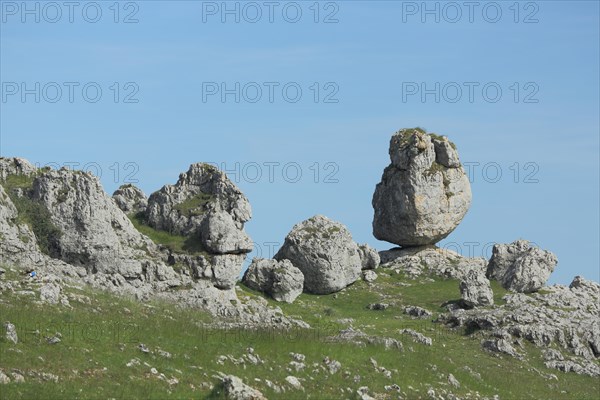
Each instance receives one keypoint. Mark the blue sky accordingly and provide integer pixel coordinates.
(541, 134)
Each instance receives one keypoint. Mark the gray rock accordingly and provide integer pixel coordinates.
(562, 317)
(580, 283)
(220, 235)
(500, 346)
(4, 379)
(94, 232)
(369, 276)
(294, 382)
(130, 199)
(332, 365)
(430, 260)
(453, 381)
(423, 194)
(369, 257)
(50, 293)
(417, 336)
(417, 312)
(475, 289)
(16, 166)
(325, 253)
(378, 306)
(11, 333)
(280, 279)
(181, 208)
(235, 389)
(521, 267)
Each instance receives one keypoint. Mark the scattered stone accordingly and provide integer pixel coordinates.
(332, 365)
(369, 276)
(418, 312)
(325, 253)
(500, 346)
(164, 354)
(142, 347)
(50, 293)
(453, 381)
(417, 337)
(475, 290)
(280, 279)
(423, 194)
(521, 267)
(378, 306)
(393, 387)
(53, 339)
(235, 389)
(363, 393)
(133, 362)
(294, 382)
(4, 379)
(11, 333)
(17, 377)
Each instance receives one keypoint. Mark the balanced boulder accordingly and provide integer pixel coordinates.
(423, 194)
(520, 267)
(280, 279)
(325, 253)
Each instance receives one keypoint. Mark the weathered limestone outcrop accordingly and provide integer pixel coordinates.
(202, 190)
(130, 199)
(566, 317)
(280, 279)
(521, 267)
(325, 253)
(475, 289)
(430, 260)
(423, 194)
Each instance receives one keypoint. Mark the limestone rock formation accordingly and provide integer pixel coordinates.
(475, 289)
(369, 257)
(235, 389)
(16, 167)
(182, 208)
(280, 279)
(205, 206)
(325, 253)
(566, 317)
(423, 194)
(521, 267)
(220, 235)
(430, 260)
(130, 199)
(94, 232)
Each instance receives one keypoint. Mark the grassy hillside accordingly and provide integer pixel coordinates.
(101, 334)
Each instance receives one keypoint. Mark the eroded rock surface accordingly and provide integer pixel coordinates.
(423, 194)
(325, 253)
(521, 267)
(280, 279)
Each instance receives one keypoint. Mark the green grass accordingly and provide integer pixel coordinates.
(100, 338)
(176, 243)
(194, 206)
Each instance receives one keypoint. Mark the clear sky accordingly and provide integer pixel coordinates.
(516, 87)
